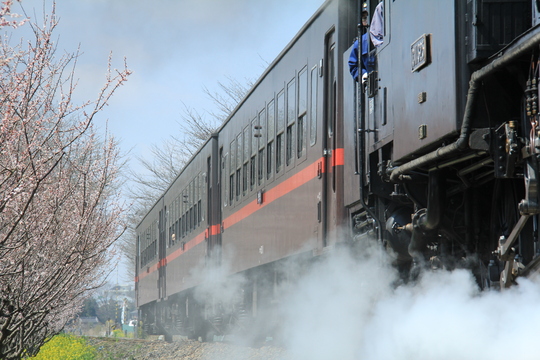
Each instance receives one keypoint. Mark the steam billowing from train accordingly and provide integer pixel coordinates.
(349, 308)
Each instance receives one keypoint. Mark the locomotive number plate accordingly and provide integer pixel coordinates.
(420, 50)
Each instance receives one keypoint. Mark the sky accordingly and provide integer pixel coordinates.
(175, 49)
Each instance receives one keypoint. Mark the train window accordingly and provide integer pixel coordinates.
(330, 98)
(147, 244)
(252, 172)
(199, 196)
(184, 210)
(195, 212)
(260, 174)
(232, 159)
(291, 118)
(203, 199)
(291, 102)
(190, 219)
(173, 212)
(180, 213)
(261, 135)
(280, 129)
(244, 178)
(261, 141)
(256, 133)
(170, 221)
(193, 203)
(302, 91)
(168, 238)
(238, 181)
(254, 145)
(239, 154)
(301, 143)
(279, 152)
(281, 111)
(222, 181)
(138, 250)
(313, 108)
(269, 153)
(231, 188)
(232, 168)
(176, 231)
(290, 144)
(247, 142)
(156, 235)
(190, 204)
(245, 168)
(183, 225)
(271, 132)
(186, 222)
(302, 110)
(196, 201)
(271, 121)
(199, 209)
(178, 216)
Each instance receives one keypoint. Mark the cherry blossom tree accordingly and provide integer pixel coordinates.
(60, 212)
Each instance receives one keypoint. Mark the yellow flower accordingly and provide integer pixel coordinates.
(66, 347)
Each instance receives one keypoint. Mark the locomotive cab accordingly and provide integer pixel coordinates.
(447, 135)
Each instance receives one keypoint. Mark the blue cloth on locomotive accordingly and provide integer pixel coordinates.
(376, 30)
(366, 60)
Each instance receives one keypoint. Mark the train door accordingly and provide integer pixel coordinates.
(214, 180)
(217, 200)
(162, 253)
(329, 137)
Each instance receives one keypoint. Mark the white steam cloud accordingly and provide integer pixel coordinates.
(347, 308)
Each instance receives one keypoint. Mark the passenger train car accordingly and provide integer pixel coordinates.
(434, 156)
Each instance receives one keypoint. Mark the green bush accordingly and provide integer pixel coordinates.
(66, 347)
(118, 333)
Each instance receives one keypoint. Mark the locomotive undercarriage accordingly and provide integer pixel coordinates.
(439, 218)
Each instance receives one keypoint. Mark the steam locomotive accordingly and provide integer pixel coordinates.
(434, 156)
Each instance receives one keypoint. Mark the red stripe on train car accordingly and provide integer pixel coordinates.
(303, 176)
(280, 190)
(189, 245)
(215, 229)
(339, 157)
